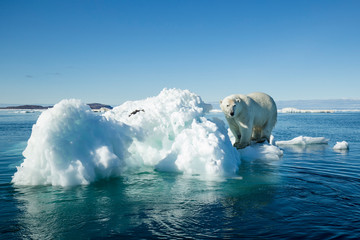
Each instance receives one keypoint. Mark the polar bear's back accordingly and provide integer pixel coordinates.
(264, 103)
(262, 99)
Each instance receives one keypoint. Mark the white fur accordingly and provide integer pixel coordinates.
(250, 117)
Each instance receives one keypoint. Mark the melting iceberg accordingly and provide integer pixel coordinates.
(71, 145)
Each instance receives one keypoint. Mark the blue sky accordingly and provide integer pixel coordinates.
(113, 51)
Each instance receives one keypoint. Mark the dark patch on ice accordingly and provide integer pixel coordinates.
(136, 111)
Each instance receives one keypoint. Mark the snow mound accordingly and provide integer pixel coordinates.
(303, 141)
(70, 145)
(341, 146)
(173, 135)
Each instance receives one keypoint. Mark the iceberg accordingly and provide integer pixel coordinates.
(71, 145)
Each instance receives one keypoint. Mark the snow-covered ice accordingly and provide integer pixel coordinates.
(264, 150)
(71, 145)
(172, 133)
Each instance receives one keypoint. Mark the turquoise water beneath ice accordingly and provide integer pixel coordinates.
(312, 192)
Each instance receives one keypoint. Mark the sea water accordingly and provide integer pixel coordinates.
(311, 191)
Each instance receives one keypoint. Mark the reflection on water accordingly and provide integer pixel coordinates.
(144, 205)
(342, 151)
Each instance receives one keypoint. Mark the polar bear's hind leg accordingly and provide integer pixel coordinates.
(266, 131)
(256, 134)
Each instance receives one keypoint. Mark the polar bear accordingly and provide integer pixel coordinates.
(250, 117)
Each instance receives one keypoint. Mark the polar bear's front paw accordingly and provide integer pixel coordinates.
(239, 145)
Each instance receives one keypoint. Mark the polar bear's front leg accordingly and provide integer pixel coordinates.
(246, 132)
(237, 138)
(234, 127)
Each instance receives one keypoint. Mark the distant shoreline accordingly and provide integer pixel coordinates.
(93, 106)
(26, 107)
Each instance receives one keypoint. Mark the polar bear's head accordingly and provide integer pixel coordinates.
(230, 106)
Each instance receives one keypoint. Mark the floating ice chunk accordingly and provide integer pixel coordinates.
(341, 146)
(301, 140)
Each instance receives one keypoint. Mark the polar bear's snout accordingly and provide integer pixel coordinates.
(232, 110)
(228, 106)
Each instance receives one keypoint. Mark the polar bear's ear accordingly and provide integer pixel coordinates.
(220, 101)
(237, 99)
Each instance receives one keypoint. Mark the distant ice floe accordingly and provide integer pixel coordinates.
(24, 111)
(295, 110)
(303, 141)
(341, 146)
